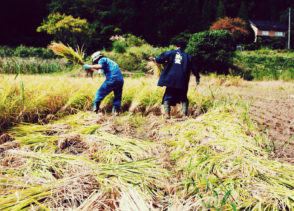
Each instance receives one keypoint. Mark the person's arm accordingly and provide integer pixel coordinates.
(93, 67)
(161, 59)
(195, 71)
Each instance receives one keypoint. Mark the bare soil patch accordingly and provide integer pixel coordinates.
(276, 118)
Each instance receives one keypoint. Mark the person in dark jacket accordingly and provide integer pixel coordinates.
(175, 77)
(114, 81)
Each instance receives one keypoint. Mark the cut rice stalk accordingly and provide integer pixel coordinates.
(76, 57)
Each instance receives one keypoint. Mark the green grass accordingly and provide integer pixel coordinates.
(265, 65)
(16, 65)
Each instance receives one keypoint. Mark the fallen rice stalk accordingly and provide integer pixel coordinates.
(59, 169)
(225, 168)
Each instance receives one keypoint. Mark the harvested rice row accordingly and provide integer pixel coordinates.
(223, 167)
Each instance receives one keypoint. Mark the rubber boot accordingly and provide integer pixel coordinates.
(96, 107)
(185, 106)
(166, 106)
(115, 110)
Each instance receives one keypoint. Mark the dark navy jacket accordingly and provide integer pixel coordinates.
(177, 69)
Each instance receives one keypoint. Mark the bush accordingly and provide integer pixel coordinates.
(132, 40)
(181, 39)
(253, 46)
(136, 57)
(213, 51)
(236, 26)
(273, 43)
(119, 47)
(6, 51)
(25, 52)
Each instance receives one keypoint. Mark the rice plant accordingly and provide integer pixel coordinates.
(217, 161)
(31, 66)
(76, 57)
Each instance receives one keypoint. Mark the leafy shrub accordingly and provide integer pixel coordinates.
(22, 51)
(25, 52)
(236, 26)
(119, 47)
(274, 42)
(181, 37)
(132, 40)
(253, 46)
(6, 51)
(212, 50)
(136, 57)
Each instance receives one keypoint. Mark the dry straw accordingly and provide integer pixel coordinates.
(74, 56)
(155, 68)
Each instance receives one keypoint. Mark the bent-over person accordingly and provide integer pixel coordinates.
(114, 81)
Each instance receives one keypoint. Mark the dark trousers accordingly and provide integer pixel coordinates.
(106, 88)
(174, 96)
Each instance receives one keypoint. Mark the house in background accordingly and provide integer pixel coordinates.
(268, 28)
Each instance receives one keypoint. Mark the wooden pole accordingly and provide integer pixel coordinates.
(289, 28)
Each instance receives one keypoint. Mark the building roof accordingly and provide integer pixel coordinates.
(269, 25)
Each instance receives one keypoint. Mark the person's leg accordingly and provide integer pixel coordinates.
(166, 106)
(166, 101)
(185, 107)
(185, 102)
(117, 98)
(102, 92)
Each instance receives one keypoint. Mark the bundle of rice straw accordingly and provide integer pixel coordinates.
(76, 57)
(155, 68)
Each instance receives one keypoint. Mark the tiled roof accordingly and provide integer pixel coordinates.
(269, 25)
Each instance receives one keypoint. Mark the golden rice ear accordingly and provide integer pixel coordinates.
(155, 68)
(76, 57)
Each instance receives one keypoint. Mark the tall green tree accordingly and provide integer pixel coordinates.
(243, 11)
(67, 29)
(221, 10)
(208, 14)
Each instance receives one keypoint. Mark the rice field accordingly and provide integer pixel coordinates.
(32, 98)
(57, 155)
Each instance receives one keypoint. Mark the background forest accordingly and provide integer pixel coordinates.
(155, 21)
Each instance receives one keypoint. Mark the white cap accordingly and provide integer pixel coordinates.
(97, 55)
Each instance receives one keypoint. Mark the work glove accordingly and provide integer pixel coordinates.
(197, 81)
(86, 67)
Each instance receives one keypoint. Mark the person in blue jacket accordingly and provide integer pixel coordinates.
(114, 81)
(175, 76)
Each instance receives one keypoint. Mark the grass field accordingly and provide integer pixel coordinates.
(55, 154)
(234, 151)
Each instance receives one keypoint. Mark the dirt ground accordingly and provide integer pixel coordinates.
(276, 118)
(272, 107)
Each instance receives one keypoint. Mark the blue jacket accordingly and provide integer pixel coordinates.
(110, 69)
(177, 69)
